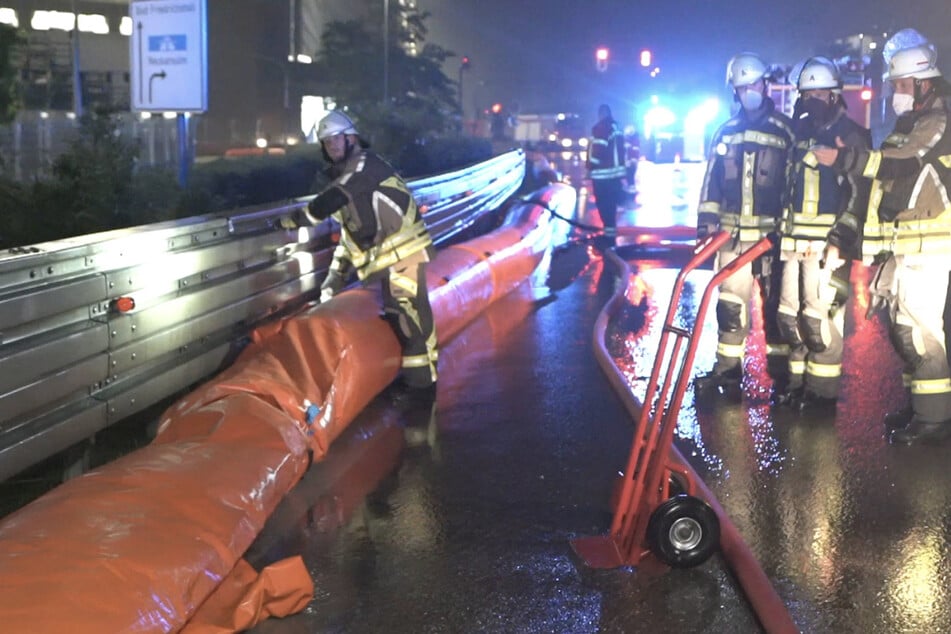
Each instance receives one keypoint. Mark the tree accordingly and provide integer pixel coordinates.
(422, 99)
(9, 93)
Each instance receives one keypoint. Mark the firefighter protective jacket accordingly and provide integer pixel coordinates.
(379, 221)
(606, 151)
(819, 194)
(909, 210)
(744, 190)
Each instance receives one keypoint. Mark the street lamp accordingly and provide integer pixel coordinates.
(283, 67)
(386, 51)
(463, 66)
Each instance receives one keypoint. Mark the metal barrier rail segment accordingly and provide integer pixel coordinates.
(76, 358)
(140, 544)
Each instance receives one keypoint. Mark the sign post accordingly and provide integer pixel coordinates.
(169, 63)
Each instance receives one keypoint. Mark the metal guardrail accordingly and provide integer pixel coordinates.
(73, 362)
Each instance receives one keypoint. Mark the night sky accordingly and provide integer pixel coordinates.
(540, 55)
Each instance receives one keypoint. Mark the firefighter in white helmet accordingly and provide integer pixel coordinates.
(744, 192)
(382, 237)
(908, 232)
(813, 291)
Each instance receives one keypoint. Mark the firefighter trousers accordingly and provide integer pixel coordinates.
(914, 289)
(810, 322)
(407, 310)
(608, 193)
(733, 306)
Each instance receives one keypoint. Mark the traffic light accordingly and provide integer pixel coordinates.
(496, 108)
(646, 58)
(464, 62)
(601, 58)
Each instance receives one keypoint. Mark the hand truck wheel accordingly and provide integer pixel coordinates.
(683, 531)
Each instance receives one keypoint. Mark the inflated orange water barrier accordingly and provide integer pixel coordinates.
(142, 543)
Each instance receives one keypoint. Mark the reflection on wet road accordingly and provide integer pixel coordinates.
(467, 528)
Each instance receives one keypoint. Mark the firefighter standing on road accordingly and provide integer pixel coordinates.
(908, 230)
(606, 168)
(382, 237)
(744, 192)
(810, 315)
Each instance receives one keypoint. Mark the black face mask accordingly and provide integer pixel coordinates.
(817, 111)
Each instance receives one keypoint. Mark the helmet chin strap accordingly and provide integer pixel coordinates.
(919, 96)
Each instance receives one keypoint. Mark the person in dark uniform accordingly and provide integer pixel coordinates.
(813, 291)
(745, 192)
(606, 168)
(382, 237)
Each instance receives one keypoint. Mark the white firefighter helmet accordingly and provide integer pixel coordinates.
(334, 123)
(917, 61)
(745, 69)
(819, 73)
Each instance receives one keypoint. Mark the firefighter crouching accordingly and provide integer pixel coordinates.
(382, 237)
(744, 192)
(813, 292)
(908, 232)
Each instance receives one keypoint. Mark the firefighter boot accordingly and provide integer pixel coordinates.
(719, 383)
(918, 431)
(899, 419)
(813, 405)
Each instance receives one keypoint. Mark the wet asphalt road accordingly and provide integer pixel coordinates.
(458, 518)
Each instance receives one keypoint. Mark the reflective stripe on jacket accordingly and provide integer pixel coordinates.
(744, 189)
(819, 194)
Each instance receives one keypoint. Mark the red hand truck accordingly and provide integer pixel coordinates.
(683, 530)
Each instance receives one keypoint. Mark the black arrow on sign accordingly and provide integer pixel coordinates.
(140, 62)
(160, 75)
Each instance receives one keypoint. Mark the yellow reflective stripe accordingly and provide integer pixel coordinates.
(730, 351)
(405, 283)
(777, 349)
(822, 370)
(386, 259)
(752, 235)
(709, 207)
(416, 361)
(749, 166)
(767, 223)
(811, 160)
(933, 386)
(608, 172)
(806, 219)
(874, 162)
(945, 160)
(797, 367)
(810, 193)
(755, 136)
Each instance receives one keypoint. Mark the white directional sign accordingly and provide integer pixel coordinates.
(169, 47)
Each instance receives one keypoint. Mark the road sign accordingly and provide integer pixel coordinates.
(169, 56)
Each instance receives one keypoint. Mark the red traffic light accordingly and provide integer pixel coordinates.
(601, 54)
(496, 108)
(465, 61)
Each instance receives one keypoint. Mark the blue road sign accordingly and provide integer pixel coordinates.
(167, 43)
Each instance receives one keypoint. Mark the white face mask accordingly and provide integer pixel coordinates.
(902, 103)
(751, 100)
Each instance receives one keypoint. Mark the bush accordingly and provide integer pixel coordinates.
(96, 185)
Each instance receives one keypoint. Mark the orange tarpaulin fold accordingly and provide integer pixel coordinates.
(140, 544)
(245, 597)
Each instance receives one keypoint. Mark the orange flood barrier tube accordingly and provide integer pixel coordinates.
(141, 543)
